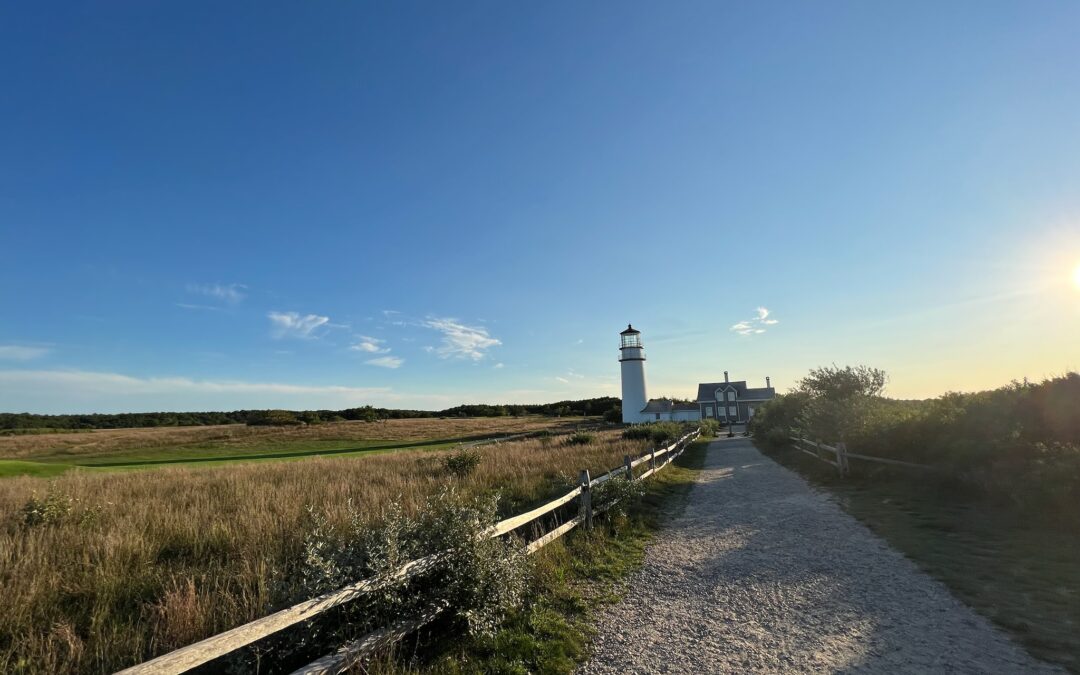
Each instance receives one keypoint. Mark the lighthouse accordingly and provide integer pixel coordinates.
(632, 363)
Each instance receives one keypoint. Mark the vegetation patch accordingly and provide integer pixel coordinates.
(572, 580)
(580, 438)
(165, 558)
(462, 462)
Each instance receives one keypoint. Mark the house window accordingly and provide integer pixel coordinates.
(708, 411)
(657, 415)
(732, 411)
(731, 396)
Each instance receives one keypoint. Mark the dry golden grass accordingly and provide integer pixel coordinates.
(150, 561)
(238, 436)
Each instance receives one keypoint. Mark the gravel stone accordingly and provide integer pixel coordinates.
(762, 573)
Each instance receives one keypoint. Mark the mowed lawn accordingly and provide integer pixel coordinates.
(120, 449)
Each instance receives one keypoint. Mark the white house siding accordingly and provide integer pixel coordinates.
(686, 416)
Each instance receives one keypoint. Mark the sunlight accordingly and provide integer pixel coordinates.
(1076, 276)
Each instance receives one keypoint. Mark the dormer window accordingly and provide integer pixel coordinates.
(731, 396)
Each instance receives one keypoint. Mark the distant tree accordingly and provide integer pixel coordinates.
(272, 418)
(837, 384)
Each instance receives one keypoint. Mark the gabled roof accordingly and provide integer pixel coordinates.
(663, 405)
(707, 391)
(759, 393)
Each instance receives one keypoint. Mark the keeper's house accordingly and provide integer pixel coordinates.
(725, 401)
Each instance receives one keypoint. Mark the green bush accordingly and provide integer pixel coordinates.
(481, 579)
(660, 433)
(709, 428)
(637, 433)
(55, 508)
(580, 438)
(617, 496)
(462, 462)
(1019, 444)
(48, 510)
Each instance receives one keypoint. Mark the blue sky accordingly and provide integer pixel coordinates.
(308, 205)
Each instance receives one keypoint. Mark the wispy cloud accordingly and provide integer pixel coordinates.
(293, 324)
(562, 379)
(498, 366)
(230, 293)
(756, 325)
(369, 345)
(386, 362)
(195, 307)
(460, 341)
(20, 353)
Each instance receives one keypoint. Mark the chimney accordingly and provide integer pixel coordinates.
(768, 384)
(725, 376)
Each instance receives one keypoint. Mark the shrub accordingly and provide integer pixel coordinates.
(462, 462)
(580, 438)
(482, 579)
(709, 428)
(637, 433)
(617, 495)
(662, 432)
(57, 507)
(48, 510)
(657, 432)
(614, 415)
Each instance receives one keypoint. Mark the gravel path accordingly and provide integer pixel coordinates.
(762, 573)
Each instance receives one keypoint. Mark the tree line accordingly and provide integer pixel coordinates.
(28, 421)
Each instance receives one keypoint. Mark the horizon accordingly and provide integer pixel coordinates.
(417, 207)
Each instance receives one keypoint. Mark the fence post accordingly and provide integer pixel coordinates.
(627, 467)
(841, 458)
(586, 498)
(652, 458)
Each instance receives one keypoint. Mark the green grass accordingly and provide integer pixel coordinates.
(574, 577)
(13, 467)
(209, 454)
(1022, 574)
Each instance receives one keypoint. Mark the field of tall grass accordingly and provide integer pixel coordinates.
(100, 571)
(239, 438)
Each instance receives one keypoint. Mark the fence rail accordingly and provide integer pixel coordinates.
(842, 455)
(204, 651)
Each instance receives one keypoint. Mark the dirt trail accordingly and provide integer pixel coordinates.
(762, 573)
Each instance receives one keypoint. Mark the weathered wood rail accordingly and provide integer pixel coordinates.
(219, 645)
(842, 455)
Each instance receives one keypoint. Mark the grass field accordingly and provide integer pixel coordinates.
(99, 570)
(1020, 573)
(52, 454)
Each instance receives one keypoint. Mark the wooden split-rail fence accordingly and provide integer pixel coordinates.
(207, 650)
(841, 455)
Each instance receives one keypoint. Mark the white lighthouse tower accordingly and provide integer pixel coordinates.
(632, 362)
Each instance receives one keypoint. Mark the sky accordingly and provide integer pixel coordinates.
(213, 206)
